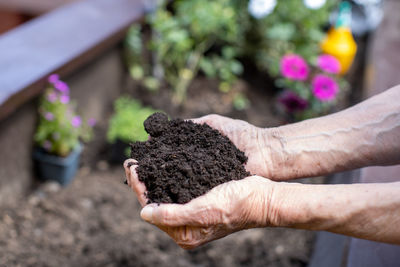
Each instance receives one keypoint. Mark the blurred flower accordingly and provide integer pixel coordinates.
(61, 86)
(294, 67)
(324, 88)
(76, 121)
(292, 102)
(49, 116)
(53, 78)
(261, 8)
(64, 99)
(314, 4)
(47, 145)
(328, 64)
(92, 122)
(52, 97)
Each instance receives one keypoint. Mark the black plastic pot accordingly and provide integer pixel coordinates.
(60, 169)
(117, 155)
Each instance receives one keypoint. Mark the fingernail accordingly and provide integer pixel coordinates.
(147, 213)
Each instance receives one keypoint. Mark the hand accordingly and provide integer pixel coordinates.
(225, 209)
(246, 137)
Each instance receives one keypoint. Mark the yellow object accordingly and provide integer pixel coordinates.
(340, 43)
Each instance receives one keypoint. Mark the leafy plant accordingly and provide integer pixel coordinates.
(127, 122)
(60, 128)
(188, 36)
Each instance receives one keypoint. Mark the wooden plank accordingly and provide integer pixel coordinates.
(60, 41)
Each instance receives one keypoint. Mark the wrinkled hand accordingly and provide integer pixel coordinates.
(225, 209)
(248, 138)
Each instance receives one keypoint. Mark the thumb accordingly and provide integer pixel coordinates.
(170, 214)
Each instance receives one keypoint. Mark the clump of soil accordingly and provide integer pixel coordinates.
(183, 160)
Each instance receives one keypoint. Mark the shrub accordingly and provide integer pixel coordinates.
(188, 36)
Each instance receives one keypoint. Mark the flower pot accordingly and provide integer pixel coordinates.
(60, 169)
(118, 149)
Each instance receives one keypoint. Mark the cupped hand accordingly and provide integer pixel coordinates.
(225, 209)
(248, 138)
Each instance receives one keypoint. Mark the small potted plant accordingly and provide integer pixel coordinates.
(126, 125)
(59, 134)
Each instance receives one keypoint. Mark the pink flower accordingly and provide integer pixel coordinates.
(294, 67)
(61, 86)
(328, 64)
(324, 88)
(52, 97)
(76, 121)
(91, 122)
(64, 99)
(49, 116)
(53, 78)
(292, 102)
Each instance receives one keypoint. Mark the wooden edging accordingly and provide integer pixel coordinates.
(60, 41)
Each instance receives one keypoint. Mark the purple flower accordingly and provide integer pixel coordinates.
(91, 122)
(324, 88)
(76, 121)
(53, 78)
(294, 67)
(47, 145)
(61, 86)
(328, 64)
(52, 97)
(64, 99)
(292, 102)
(49, 116)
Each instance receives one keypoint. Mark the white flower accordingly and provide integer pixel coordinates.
(261, 8)
(314, 4)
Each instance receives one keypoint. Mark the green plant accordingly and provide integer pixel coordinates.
(127, 122)
(60, 128)
(188, 36)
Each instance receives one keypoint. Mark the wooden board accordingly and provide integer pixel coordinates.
(60, 41)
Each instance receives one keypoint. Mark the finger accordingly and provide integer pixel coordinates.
(137, 186)
(127, 164)
(205, 119)
(195, 213)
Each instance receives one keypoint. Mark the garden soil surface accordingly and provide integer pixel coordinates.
(95, 221)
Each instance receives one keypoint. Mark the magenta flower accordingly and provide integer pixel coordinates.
(76, 121)
(292, 102)
(61, 86)
(328, 64)
(324, 88)
(53, 78)
(64, 99)
(49, 116)
(91, 122)
(52, 97)
(294, 67)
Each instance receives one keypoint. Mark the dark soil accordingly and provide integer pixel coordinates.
(184, 160)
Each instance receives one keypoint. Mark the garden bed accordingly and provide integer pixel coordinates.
(96, 219)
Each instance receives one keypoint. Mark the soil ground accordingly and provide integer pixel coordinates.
(95, 221)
